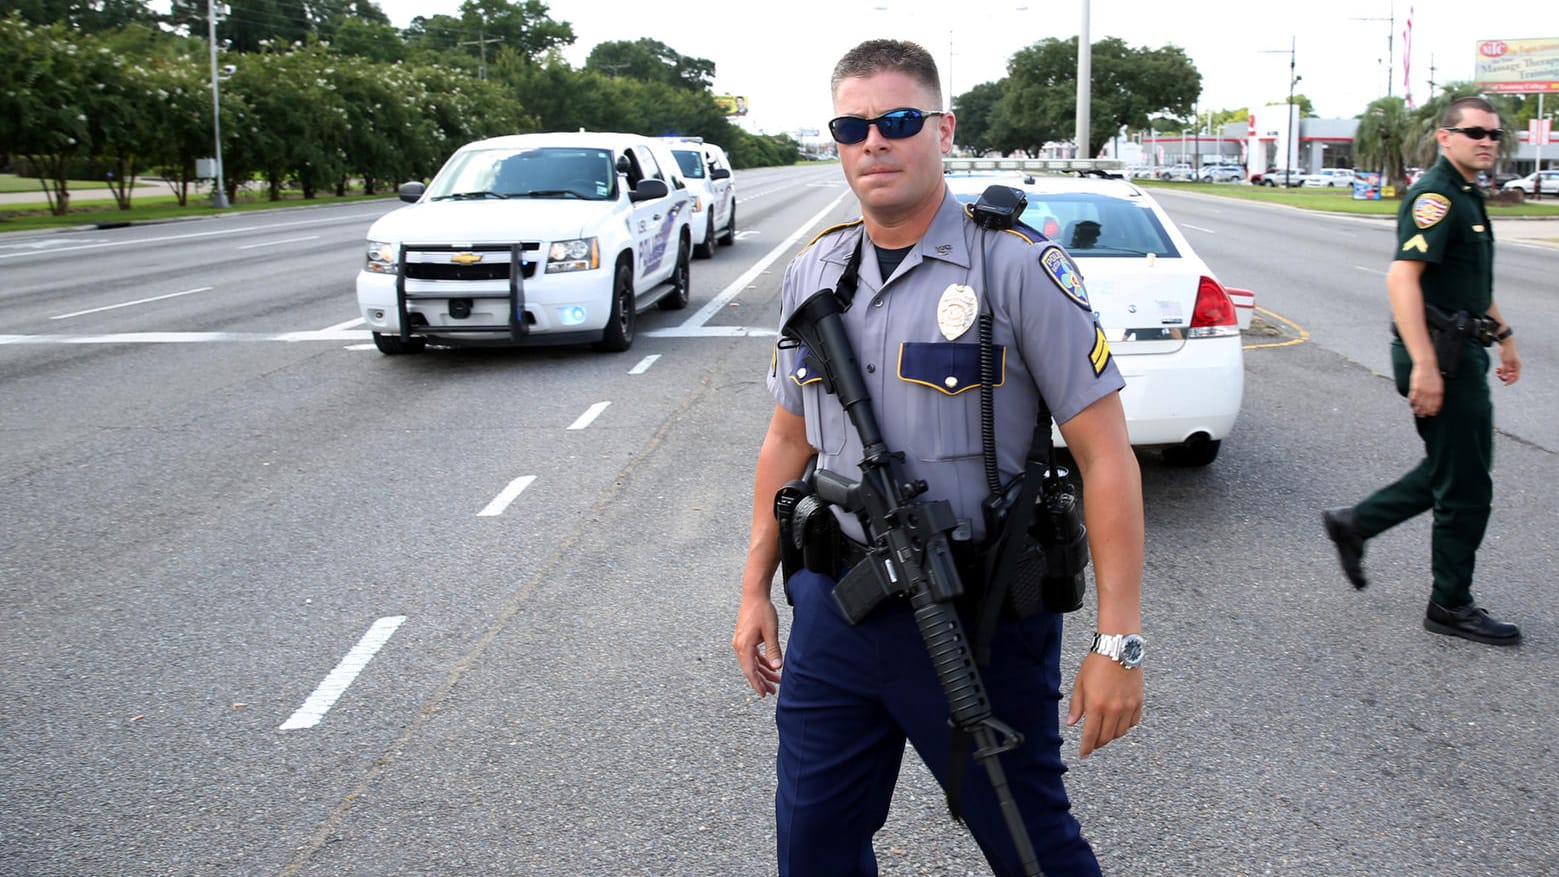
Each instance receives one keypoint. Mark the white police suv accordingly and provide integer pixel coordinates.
(708, 173)
(558, 238)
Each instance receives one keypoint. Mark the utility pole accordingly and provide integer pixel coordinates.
(218, 190)
(1391, 29)
(1291, 124)
(1084, 87)
(482, 40)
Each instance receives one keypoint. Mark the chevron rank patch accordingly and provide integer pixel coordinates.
(1100, 355)
(1064, 272)
(1429, 209)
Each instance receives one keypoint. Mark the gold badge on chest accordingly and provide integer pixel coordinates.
(956, 311)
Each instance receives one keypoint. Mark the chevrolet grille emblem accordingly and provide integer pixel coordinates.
(466, 258)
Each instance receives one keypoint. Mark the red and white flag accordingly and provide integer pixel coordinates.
(1407, 59)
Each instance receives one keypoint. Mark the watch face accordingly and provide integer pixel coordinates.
(1131, 652)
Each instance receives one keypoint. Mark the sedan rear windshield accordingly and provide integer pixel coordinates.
(1095, 225)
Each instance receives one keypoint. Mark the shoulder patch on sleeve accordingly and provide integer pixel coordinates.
(1064, 272)
(1429, 208)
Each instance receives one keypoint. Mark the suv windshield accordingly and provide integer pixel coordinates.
(691, 161)
(549, 172)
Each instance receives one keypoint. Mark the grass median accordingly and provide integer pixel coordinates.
(103, 211)
(1338, 200)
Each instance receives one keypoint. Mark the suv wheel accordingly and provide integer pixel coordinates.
(681, 280)
(707, 248)
(618, 334)
(728, 237)
(392, 345)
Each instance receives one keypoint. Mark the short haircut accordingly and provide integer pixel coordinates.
(879, 56)
(1453, 113)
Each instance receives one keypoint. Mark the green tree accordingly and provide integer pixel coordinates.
(1039, 95)
(373, 41)
(1422, 149)
(650, 60)
(978, 111)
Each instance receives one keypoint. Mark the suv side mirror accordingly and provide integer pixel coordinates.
(649, 190)
(412, 192)
(720, 173)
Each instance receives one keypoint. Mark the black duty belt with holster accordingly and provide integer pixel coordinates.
(1449, 332)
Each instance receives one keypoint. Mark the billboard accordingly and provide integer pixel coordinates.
(1517, 66)
(732, 104)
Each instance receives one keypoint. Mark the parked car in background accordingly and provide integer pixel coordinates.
(1288, 177)
(1528, 183)
(1331, 178)
(1172, 328)
(1221, 173)
(1177, 172)
(708, 173)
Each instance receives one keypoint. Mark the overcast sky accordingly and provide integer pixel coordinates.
(780, 55)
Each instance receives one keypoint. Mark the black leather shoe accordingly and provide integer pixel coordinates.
(1342, 527)
(1471, 622)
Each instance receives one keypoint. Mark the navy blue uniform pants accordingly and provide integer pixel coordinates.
(1453, 479)
(851, 696)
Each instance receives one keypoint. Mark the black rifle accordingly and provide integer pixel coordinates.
(908, 551)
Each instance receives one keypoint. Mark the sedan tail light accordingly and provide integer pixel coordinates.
(1214, 316)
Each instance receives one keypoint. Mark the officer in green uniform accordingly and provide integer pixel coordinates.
(1441, 283)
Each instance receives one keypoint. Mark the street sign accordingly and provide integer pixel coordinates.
(1540, 131)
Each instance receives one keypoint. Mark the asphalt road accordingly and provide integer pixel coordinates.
(216, 492)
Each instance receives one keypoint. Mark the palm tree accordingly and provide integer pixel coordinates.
(1386, 130)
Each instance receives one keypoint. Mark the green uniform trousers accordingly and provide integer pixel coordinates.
(1453, 478)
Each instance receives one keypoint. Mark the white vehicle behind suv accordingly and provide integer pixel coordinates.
(708, 174)
(559, 238)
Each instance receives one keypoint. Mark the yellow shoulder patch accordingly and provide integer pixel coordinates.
(1416, 242)
(1429, 208)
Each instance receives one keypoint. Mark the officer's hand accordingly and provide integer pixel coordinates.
(1425, 389)
(1509, 368)
(757, 644)
(1109, 697)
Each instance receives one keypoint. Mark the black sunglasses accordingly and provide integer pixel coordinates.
(894, 125)
(1478, 133)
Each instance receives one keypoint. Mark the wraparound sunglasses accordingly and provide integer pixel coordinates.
(894, 125)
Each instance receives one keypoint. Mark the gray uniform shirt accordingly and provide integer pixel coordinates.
(924, 385)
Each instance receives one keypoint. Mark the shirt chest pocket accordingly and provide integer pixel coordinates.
(938, 392)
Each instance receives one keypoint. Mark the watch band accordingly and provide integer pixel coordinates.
(1505, 334)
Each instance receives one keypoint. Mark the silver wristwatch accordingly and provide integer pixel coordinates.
(1124, 649)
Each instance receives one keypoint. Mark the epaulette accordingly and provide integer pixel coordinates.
(831, 229)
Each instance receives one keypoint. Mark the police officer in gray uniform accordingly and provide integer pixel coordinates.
(853, 694)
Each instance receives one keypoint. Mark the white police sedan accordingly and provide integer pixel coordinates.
(1173, 328)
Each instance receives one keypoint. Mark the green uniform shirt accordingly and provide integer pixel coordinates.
(1443, 222)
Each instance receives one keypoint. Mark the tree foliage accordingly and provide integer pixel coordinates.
(1039, 94)
(323, 95)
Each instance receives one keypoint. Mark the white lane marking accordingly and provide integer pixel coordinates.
(1369, 270)
(335, 684)
(126, 304)
(311, 237)
(589, 416)
(644, 364)
(190, 236)
(707, 312)
(506, 496)
(1197, 227)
